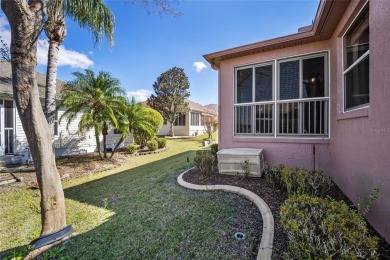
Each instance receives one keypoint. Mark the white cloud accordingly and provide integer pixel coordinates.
(139, 95)
(90, 53)
(66, 57)
(199, 65)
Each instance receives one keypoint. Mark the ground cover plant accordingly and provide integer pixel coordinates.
(326, 229)
(137, 211)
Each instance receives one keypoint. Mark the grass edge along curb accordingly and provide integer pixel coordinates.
(267, 238)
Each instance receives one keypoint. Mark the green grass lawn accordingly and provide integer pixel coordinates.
(136, 211)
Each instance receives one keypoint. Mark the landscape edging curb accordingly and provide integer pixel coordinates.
(267, 238)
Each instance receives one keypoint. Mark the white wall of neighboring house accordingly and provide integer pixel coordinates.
(188, 129)
(68, 141)
(179, 130)
(113, 138)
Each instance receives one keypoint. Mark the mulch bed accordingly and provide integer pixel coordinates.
(72, 166)
(274, 199)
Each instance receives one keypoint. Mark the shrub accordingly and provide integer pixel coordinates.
(300, 181)
(273, 176)
(152, 145)
(319, 228)
(131, 148)
(162, 142)
(214, 151)
(364, 205)
(204, 161)
(145, 130)
(245, 166)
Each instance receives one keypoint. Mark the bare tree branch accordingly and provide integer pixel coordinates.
(4, 50)
(164, 7)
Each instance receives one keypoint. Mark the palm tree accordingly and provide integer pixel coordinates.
(26, 19)
(100, 99)
(137, 118)
(91, 14)
(156, 120)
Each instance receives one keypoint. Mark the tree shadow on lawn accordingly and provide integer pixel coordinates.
(114, 192)
(143, 213)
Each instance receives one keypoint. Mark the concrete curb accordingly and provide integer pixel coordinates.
(267, 239)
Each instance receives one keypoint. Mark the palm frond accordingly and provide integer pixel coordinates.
(93, 15)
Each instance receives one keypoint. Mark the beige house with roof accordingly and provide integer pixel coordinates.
(192, 123)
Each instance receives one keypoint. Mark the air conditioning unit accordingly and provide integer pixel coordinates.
(235, 161)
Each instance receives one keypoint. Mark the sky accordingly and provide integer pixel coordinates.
(148, 44)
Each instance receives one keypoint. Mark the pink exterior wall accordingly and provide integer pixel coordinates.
(360, 142)
(286, 150)
(357, 153)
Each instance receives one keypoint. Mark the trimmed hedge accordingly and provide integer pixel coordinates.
(152, 145)
(319, 228)
(162, 142)
(302, 181)
(131, 148)
(297, 180)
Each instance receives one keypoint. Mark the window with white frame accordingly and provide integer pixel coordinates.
(356, 63)
(180, 120)
(195, 118)
(296, 105)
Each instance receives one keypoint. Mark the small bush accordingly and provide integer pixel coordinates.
(300, 181)
(214, 150)
(162, 142)
(204, 161)
(131, 148)
(152, 145)
(318, 228)
(245, 166)
(273, 176)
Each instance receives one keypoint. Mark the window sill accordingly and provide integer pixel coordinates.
(358, 113)
(265, 139)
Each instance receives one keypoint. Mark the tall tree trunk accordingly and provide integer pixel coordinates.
(105, 133)
(25, 22)
(171, 130)
(104, 145)
(97, 140)
(118, 144)
(55, 29)
(51, 80)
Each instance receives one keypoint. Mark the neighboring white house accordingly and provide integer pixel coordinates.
(191, 123)
(65, 141)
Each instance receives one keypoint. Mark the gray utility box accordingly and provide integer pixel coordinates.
(230, 161)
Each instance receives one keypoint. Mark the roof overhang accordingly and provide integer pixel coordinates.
(327, 18)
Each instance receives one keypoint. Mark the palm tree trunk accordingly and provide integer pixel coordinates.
(97, 140)
(104, 145)
(24, 20)
(105, 133)
(117, 145)
(51, 80)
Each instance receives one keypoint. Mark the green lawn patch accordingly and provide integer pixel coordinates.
(136, 211)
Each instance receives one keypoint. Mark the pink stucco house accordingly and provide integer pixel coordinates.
(318, 98)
